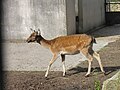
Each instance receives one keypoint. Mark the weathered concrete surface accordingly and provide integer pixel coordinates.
(70, 17)
(113, 83)
(91, 14)
(53, 17)
(32, 57)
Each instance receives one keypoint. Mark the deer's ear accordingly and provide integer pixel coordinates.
(39, 32)
(32, 30)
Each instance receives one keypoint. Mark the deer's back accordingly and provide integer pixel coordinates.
(70, 42)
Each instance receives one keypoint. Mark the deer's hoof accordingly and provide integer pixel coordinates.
(64, 74)
(104, 73)
(87, 75)
(45, 76)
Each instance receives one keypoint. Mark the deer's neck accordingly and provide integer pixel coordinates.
(45, 43)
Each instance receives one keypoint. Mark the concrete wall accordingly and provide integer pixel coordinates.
(70, 16)
(53, 17)
(91, 14)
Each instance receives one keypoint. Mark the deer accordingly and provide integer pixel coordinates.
(68, 45)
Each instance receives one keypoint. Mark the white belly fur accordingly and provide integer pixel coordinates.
(69, 53)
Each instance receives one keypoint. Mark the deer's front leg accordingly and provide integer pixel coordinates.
(63, 62)
(50, 63)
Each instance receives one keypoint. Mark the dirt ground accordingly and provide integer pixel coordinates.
(74, 80)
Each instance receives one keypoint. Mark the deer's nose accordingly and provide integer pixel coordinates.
(27, 40)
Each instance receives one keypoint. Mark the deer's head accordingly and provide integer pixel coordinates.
(35, 36)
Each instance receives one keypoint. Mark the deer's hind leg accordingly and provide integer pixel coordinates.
(97, 56)
(88, 55)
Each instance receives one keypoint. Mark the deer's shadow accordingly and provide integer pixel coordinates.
(108, 69)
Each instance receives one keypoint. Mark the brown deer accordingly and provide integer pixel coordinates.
(67, 45)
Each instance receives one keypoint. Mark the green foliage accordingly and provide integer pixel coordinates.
(97, 85)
